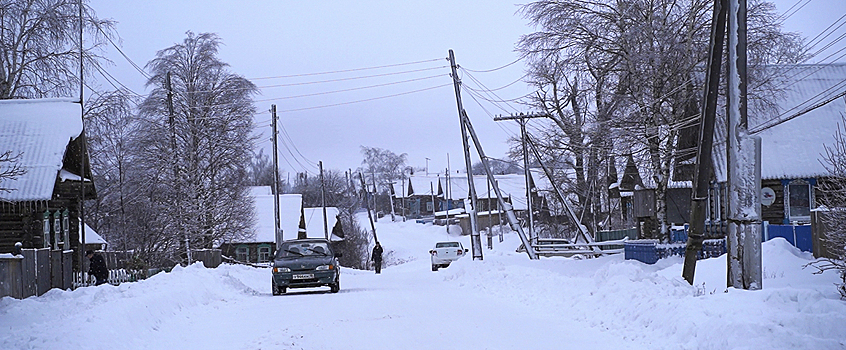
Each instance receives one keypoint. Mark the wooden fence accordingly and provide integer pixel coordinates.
(34, 272)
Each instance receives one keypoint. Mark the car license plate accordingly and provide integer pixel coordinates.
(304, 276)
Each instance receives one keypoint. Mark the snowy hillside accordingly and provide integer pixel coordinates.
(503, 302)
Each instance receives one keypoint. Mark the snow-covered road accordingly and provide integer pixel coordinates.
(503, 302)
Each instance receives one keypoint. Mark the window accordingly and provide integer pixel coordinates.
(65, 230)
(45, 229)
(57, 229)
(799, 198)
(263, 254)
(242, 253)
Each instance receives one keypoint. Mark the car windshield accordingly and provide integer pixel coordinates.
(297, 249)
(447, 245)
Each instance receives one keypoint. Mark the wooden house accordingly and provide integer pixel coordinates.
(793, 140)
(794, 133)
(40, 208)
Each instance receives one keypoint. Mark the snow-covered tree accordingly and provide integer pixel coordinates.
(627, 70)
(196, 158)
(39, 46)
(833, 198)
(110, 128)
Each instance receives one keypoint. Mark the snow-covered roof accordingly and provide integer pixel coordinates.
(39, 130)
(314, 222)
(91, 236)
(290, 208)
(794, 149)
(511, 185)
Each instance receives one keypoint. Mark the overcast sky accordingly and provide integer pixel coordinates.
(408, 108)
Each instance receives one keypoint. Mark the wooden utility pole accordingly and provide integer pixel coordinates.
(704, 169)
(323, 201)
(522, 119)
(277, 229)
(83, 150)
(512, 219)
(367, 204)
(583, 231)
(172, 122)
(475, 239)
(743, 241)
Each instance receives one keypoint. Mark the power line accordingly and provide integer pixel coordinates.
(363, 100)
(350, 89)
(495, 69)
(346, 70)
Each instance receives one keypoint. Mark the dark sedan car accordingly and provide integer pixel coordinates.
(304, 263)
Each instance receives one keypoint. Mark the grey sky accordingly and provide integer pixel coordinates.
(264, 39)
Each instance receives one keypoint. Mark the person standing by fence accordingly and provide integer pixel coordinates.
(97, 267)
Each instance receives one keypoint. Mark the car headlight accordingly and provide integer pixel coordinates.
(325, 267)
(281, 269)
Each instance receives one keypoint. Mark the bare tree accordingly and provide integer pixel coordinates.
(636, 63)
(385, 165)
(111, 125)
(200, 184)
(833, 197)
(9, 168)
(39, 46)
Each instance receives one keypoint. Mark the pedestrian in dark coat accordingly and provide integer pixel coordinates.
(97, 267)
(376, 256)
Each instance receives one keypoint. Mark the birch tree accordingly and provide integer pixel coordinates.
(196, 158)
(110, 125)
(39, 46)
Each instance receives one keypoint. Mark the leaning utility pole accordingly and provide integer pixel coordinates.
(743, 241)
(323, 201)
(521, 119)
(475, 239)
(512, 219)
(367, 204)
(704, 168)
(277, 231)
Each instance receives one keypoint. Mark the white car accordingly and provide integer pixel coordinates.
(445, 253)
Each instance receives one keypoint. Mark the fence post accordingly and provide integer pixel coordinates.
(766, 225)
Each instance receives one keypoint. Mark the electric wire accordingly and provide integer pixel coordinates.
(346, 70)
(495, 69)
(362, 100)
(350, 89)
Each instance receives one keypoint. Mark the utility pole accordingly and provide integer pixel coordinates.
(391, 194)
(427, 166)
(522, 120)
(278, 234)
(367, 204)
(702, 177)
(512, 219)
(743, 240)
(434, 208)
(172, 122)
(323, 200)
(82, 154)
(475, 239)
(583, 231)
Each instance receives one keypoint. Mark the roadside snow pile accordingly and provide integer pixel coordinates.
(796, 309)
(131, 311)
